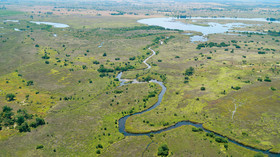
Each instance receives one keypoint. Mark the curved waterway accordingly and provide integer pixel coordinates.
(122, 121)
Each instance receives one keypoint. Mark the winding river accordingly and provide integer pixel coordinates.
(122, 121)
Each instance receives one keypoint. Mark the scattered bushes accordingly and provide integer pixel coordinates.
(194, 129)
(132, 58)
(95, 62)
(8, 118)
(102, 69)
(45, 57)
(211, 44)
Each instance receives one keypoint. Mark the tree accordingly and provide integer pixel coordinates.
(98, 152)
(104, 54)
(40, 121)
(84, 66)
(40, 146)
(10, 97)
(163, 150)
(7, 109)
(226, 146)
(24, 127)
(29, 83)
(189, 71)
(20, 120)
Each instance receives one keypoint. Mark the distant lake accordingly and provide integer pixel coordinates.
(171, 23)
(56, 25)
(213, 28)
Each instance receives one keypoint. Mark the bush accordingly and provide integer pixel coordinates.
(40, 146)
(203, 88)
(20, 120)
(98, 152)
(33, 124)
(194, 129)
(7, 109)
(261, 52)
(221, 140)
(211, 134)
(84, 66)
(10, 97)
(132, 58)
(24, 127)
(40, 121)
(235, 88)
(99, 146)
(189, 71)
(163, 150)
(273, 89)
(45, 57)
(226, 146)
(95, 62)
(267, 79)
(29, 83)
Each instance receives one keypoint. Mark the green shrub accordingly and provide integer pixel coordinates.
(99, 146)
(267, 79)
(98, 152)
(273, 89)
(40, 121)
(221, 140)
(24, 127)
(10, 97)
(29, 83)
(40, 146)
(211, 134)
(189, 71)
(163, 150)
(194, 129)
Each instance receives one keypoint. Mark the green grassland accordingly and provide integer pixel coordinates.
(218, 74)
(82, 105)
(5, 13)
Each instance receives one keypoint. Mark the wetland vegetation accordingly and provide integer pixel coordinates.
(139, 78)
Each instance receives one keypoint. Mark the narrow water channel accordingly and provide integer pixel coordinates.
(122, 121)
